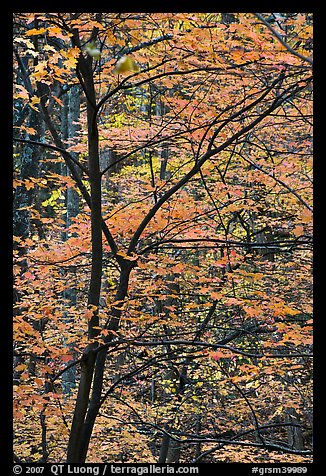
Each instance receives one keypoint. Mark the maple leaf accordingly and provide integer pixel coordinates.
(217, 355)
(20, 367)
(178, 268)
(125, 64)
(298, 230)
(67, 358)
(30, 130)
(124, 255)
(306, 216)
(34, 100)
(57, 32)
(36, 31)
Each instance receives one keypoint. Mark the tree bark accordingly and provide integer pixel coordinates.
(29, 168)
(295, 437)
(95, 401)
(75, 445)
(69, 129)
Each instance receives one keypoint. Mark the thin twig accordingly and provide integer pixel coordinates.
(280, 39)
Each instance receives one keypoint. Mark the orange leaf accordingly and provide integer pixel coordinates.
(35, 31)
(89, 314)
(306, 216)
(66, 358)
(58, 100)
(217, 355)
(298, 230)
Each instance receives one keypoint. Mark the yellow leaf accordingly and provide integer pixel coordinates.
(93, 51)
(25, 41)
(49, 48)
(253, 276)
(125, 64)
(34, 100)
(118, 304)
(57, 32)
(290, 311)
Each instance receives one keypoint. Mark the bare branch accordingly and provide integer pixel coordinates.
(280, 39)
(290, 92)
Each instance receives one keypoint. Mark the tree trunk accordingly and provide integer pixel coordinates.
(23, 199)
(69, 130)
(75, 445)
(170, 449)
(29, 168)
(164, 446)
(295, 438)
(174, 451)
(95, 400)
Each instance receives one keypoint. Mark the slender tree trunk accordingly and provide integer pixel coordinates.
(29, 168)
(295, 437)
(95, 400)
(163, 151)
(87, 366)
(92, 366)
(174, 452)
(164, 446)
(23, 199)
(198, 430)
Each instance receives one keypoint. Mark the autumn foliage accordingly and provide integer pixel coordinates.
(162, 237)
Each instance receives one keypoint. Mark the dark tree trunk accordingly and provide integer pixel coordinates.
(29, 168)
(75, 444)
(295, 437)
(164, 446)
(24, 198)
(95, 400)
